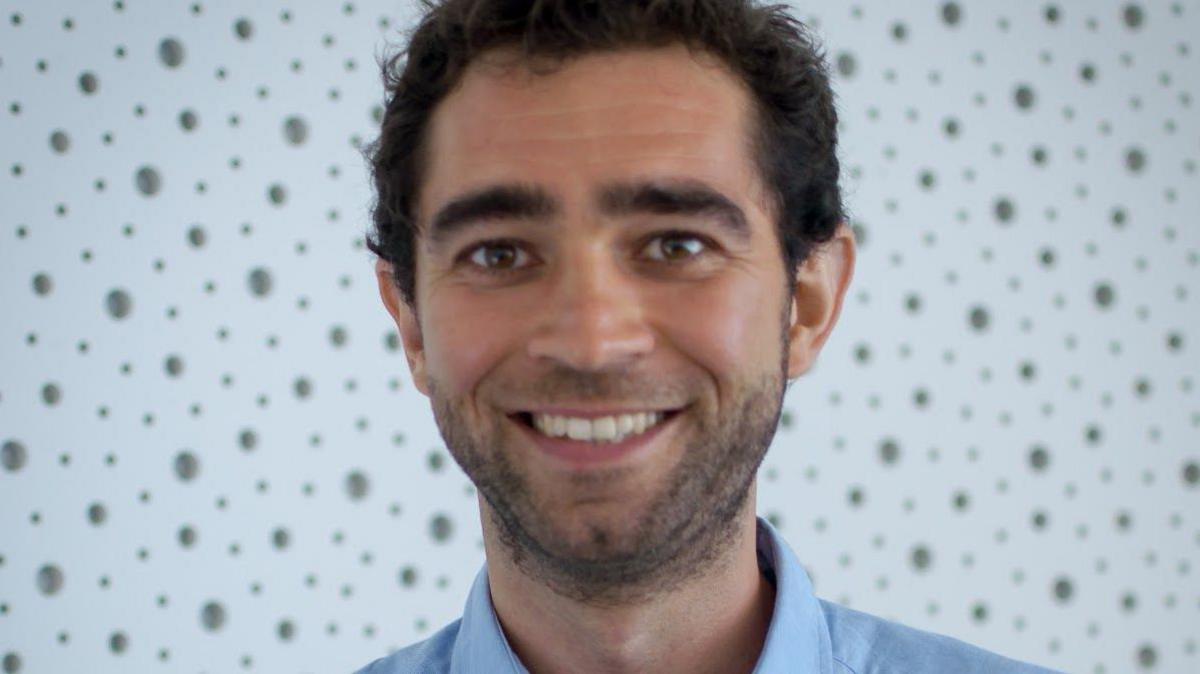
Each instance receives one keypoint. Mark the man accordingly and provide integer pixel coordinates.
(606, 255)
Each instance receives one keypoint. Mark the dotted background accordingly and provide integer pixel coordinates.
(212, 458)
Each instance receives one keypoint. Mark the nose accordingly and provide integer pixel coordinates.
(594, 316)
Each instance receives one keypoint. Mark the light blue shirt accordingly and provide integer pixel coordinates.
(807, 635)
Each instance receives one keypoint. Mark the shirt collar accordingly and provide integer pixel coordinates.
(797, 640)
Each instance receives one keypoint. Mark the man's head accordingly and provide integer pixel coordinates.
(539, 168)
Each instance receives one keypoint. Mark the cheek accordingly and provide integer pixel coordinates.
(464, 341)
(725, 328)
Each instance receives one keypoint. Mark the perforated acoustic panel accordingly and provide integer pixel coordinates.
(213, 459)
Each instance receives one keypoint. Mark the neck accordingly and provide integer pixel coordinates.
(716, 622)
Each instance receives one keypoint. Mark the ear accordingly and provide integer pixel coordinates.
(406, 323)
(821, 284)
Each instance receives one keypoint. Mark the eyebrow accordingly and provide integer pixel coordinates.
(523, 201)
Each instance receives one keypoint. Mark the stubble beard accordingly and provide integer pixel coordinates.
(685, 531)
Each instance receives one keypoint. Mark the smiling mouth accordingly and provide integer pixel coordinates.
(607, 429)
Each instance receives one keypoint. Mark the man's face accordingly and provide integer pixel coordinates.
(585, 305)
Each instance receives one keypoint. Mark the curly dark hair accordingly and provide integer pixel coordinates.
(794, 136)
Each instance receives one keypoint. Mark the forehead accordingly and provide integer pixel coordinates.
(660, 112)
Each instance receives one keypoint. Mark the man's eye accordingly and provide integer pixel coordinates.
(497, 256)
(669, 245)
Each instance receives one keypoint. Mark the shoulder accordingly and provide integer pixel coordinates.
(867, 644)
(424, 657)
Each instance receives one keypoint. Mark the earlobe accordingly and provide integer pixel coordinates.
(821, 285)
(406, 323)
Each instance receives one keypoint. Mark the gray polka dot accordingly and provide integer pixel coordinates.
(1190, 473)
(921, 558)
(1063, 589)
(49, 579)
(187, 536)
(1027, 370)
(1147, 656)
(1024, 97)
(89, 83)
(1004, 210)
(927, 179)
(42, 284)
(391, 341)
(286, 630)
(212, 616)
(196, 236)
(1087, 73)
(855, 497)
(243, 29)
(1135, 159)
(408, 576)
(921, 397)
(951, 13)
(51, 394)
(979, 612)
(979, 318)
(13, 455)
(436, 461)
(889, 451)
(862, 353)
(1039, 458)
(277, 194)
(338, 336)
(357, 485)
(59, 141)
(280, 538)
(441, 528)
(118, 642)
(302, 387)
(259, 282)
(1123, 520)
(1104, 295)
(248, 440)
(847, 65)
(1039, 520)
(295, 130)
(1133, 16)
(1174, 341)
(118, 303)
(187, 466)
(11, 663)
(170, 52)
(1142, 387)
(1129, 602)
(148, 180)
(173, 365)
(97, 514)
(188, 120)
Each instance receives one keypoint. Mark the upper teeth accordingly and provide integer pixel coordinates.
(611, 428)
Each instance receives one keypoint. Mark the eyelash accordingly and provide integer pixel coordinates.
(465, 256)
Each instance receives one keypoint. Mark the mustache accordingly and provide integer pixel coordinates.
(561, 385)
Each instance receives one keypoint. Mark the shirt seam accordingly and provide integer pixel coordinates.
(844, 664)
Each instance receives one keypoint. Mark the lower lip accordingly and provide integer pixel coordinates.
(584, 454)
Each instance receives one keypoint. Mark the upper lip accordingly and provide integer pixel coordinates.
(593, 413)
